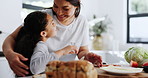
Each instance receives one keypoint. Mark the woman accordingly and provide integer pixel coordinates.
(72, 30)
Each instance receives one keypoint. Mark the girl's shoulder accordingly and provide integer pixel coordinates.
(41, 44)
(41, 47)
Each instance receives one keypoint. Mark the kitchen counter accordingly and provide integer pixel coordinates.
(112, 57)
(1, 54)
(5, 71)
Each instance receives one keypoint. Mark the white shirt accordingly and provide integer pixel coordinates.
(76, 33)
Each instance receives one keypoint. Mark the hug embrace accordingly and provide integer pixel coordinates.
(57, 33)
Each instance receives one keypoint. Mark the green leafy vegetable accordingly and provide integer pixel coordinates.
(138, 54)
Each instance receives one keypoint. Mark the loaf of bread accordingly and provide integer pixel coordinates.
(71, 69)
(39, 76)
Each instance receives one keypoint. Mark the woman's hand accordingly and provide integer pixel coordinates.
(70, 50)
(95, 59)
(15, 63)
(14, 58)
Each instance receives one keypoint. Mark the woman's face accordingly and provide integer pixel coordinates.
(51, 27)
(63, 9)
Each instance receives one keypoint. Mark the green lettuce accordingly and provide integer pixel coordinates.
(138, 54)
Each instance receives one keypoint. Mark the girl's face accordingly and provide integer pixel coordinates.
(63, 9)
(51, 27)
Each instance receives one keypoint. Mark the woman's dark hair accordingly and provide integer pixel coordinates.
(29, 34)
(75, 3)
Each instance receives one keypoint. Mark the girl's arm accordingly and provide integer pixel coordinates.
(42, 56)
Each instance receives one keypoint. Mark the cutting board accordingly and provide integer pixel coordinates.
(103, 74)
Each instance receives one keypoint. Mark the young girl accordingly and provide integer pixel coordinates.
(38, 26)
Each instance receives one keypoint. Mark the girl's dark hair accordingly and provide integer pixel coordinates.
(75, 3)
(29, 34)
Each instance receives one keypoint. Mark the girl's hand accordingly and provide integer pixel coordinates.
(95, 59)
(70, 50)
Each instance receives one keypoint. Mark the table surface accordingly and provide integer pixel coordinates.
(103, 74)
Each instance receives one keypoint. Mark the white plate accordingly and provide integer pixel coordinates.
(121, 70)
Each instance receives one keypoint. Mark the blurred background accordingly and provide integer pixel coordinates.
(115, 25)
(120, 23)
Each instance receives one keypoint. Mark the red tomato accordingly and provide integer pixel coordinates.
(134, 63)
(145, 64)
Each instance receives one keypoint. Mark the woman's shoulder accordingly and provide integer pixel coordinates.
(81, 18)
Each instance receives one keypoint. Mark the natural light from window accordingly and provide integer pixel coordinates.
(38, 3)
(137, 21)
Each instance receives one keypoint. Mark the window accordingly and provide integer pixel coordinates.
(33, 5)
(137, 21)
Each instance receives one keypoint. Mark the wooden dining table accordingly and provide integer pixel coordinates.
(104, 74)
